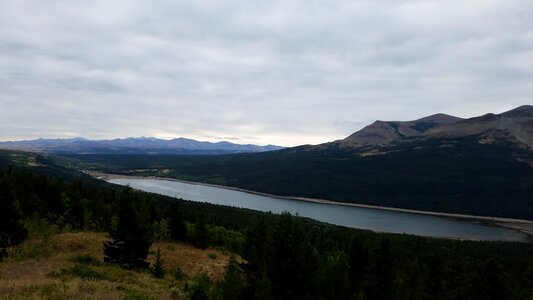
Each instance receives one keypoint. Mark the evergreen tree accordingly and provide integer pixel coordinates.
(75, 211)
(263, 288)
(258, 253)
(294, 263)
(158, 269)
(178, 229)
(12, 231)
(232, 287)
(201, 289)
(381, 272)
(200, 234)
(333, 276)
(162, 230)
(131, 236)
(358, 257)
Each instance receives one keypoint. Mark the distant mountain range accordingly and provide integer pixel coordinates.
(480, 166)
(142, 145)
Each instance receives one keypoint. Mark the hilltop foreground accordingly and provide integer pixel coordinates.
(70, 266)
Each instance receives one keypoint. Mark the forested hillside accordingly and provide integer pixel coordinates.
(283, 256)
(456, 175)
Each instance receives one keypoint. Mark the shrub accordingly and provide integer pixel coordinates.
(158, 270)
(84, 259)
(178, 274)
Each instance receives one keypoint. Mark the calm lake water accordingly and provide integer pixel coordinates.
(355, 217)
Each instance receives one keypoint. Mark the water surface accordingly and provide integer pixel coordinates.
(355, 217)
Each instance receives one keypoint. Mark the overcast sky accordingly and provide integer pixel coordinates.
(279, 72)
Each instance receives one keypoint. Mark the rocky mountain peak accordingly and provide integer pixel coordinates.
(515, 125)
(385, 132)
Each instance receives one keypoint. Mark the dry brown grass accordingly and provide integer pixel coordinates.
(41, 277)
(190, 260)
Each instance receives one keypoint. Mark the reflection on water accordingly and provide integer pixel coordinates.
(364, 218)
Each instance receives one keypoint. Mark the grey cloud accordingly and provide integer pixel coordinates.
(281, 72)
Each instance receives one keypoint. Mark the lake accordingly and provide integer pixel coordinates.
(355, 217)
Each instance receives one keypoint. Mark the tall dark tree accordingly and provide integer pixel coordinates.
(333, 276)
(75, 206)
(178, 229)
(258, 253)
(358, 260)
(232, 288)
(131, 235)
(200, 234)
(381, 272)
(12, 231)
(294, 263)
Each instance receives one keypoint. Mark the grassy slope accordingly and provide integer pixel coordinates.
(46, 268)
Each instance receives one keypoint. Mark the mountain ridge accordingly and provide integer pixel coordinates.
(515, 125)
(484, 170)
(132, 145)
(385, 132)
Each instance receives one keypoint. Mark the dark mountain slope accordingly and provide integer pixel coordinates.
(462, 177)
(515, 125)
(479, 166)
(382, 133)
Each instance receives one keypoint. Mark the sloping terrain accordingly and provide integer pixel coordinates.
(382, 133)
(69, 266)
(485, 169)
(515, 125)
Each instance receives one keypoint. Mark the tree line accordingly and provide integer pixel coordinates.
(283, 256)
(455, 175)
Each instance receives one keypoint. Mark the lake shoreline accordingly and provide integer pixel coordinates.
(521, 225)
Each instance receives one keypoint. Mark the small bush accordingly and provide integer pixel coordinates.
(178, 274)
(201, 288)
(158, 270)
(84, 259)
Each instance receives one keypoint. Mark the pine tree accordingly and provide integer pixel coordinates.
(201, 288)
(333, 276)
(12, 231)
(162, 230)
(178, 229)
(294, 263)
(358, 260)
(158, 269)
(200, 234)
(233, 285)
(381, 272)
(258, 253)
(131, 235)
(263, 288)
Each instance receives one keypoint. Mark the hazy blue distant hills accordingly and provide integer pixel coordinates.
(142, 145)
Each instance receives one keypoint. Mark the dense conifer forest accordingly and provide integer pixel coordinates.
(447, 175)
(274, 256)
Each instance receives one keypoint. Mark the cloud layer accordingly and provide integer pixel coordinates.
(282, 72)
